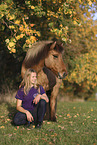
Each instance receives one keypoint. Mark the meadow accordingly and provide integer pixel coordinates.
(76, 125)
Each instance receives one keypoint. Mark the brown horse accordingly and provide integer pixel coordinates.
(46, 58)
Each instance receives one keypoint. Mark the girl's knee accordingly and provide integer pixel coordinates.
(19, 119)
(42, 102)
(16, 120)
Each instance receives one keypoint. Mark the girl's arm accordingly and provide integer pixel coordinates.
(39, 96)
(21, 109)
(36, 99)
(45, 97)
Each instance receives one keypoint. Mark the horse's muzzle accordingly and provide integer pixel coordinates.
(62, 77)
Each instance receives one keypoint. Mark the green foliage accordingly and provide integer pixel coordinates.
(84, 75)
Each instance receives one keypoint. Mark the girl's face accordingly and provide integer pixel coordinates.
(33, 77)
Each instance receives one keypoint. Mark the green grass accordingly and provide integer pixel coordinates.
(76, 125)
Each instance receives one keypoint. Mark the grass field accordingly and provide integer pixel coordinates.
(76, 125)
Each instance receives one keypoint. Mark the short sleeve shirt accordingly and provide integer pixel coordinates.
(27, 100)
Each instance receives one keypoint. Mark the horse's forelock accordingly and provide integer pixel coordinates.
(37, 52)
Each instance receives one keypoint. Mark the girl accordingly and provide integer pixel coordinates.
(31, 101)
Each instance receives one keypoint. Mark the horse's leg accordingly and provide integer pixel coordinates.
(53, 107)
(47, 115)
(53, 100)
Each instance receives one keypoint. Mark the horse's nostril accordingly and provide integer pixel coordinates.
(64, 75)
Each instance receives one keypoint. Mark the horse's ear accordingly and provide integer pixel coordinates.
(63, 49)
(53, 45)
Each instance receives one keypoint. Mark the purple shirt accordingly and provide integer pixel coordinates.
(27, 100)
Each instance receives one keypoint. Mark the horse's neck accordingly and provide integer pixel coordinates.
(39, 67)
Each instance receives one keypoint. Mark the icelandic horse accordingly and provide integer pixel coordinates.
(46, 58)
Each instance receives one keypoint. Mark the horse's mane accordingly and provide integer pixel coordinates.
(39, 51)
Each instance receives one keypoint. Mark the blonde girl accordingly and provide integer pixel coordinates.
(31, 101)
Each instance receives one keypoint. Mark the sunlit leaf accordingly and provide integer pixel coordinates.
(2, 127)
(11, 44)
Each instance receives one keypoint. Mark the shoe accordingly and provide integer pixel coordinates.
(29, 124)
(38, 125)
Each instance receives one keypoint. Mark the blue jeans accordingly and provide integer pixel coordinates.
(38, 114)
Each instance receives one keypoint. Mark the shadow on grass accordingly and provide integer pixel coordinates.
(12, 111)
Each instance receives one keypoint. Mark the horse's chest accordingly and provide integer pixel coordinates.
(47, 79)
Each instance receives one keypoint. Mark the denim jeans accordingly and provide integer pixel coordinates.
(38, 114)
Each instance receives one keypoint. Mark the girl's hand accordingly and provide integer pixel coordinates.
(37, 98)
(29, 116)
(44, 97)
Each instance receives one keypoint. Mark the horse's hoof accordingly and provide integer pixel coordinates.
(54, 119)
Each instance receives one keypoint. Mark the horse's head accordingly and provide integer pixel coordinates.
(55, 62)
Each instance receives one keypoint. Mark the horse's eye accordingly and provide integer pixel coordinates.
(55, 56)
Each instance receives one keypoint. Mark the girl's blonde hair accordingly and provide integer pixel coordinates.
(27, 81)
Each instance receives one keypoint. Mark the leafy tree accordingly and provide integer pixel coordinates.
(25, 22)
(82, 54)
